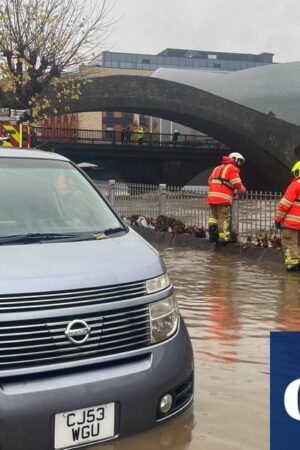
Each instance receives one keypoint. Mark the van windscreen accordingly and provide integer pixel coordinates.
(49, 196)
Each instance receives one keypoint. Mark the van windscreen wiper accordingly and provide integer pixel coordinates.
(114, 230)
(30, 238)
(36, 237)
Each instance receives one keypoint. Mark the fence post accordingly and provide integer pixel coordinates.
(162, 198)
(111, 191)
(235, 215)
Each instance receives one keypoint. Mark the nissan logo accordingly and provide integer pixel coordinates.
(78, 331)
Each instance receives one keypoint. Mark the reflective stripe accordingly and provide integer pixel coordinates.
(286, 202)
(220, 195)
(215, 180)
(291, 262)
(221, 171)
(224, 236)
(219, 168)
(212, 221)
(226, 226)
(293, 218)
(280, 214)
(223, 182)
(225, 170)
(236, 180)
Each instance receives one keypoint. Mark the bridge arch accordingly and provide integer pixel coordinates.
(267, 142)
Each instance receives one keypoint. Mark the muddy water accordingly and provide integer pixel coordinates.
(229, 307)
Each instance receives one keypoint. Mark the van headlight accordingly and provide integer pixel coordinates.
(164, 316)
(158, 284)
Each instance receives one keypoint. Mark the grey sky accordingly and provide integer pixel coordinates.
(246, 26)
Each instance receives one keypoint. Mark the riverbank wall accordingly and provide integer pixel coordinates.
(164, 238)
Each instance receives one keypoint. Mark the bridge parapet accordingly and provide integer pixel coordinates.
(85, 136)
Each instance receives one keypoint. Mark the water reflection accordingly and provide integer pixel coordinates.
(229, 306)
(175, 436)
(288, 318)
(223, 323)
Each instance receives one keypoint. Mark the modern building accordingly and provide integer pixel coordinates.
(184, 59)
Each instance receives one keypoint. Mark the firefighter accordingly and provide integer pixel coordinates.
(287, 219)
(222, 182)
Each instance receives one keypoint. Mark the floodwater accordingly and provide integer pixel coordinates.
(229, 306)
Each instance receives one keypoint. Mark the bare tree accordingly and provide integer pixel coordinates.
(41, 39)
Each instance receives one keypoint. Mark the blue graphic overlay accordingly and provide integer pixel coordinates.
(285, 387)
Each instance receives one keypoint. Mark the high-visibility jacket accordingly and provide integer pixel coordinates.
(140, 133)
(222, 182)
(288, 211)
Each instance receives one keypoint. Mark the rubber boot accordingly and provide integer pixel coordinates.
(292, 268)
(224, 237)
(291, 264)
(233, 237)
(213, 233)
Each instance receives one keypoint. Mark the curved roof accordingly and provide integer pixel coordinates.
(274, 87)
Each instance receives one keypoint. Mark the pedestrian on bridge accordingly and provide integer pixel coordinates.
(175, 137)
(223, 181)
(123, 136)
(140, 134)
(287, 219)
(128, 135)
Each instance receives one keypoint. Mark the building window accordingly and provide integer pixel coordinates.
(211, 56)
(117, 115)
(217, 66)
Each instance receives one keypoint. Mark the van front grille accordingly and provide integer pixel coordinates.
(71, 298)
(42, 341)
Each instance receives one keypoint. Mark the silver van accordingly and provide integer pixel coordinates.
(92, 344)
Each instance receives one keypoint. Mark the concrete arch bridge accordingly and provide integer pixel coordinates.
(269, 144)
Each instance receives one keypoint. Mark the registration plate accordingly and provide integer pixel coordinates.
(83, 426)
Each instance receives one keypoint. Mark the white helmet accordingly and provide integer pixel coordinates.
(238, 158)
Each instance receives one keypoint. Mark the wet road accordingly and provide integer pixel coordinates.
(229, 307)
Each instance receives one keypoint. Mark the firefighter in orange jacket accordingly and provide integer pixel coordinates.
(222, 182)
(288, 219)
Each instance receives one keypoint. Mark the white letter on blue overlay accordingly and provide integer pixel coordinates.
(291, 399)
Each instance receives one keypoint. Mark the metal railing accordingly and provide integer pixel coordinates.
(71, 135)
(252, 213)
(255, 211)
(132, 199)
